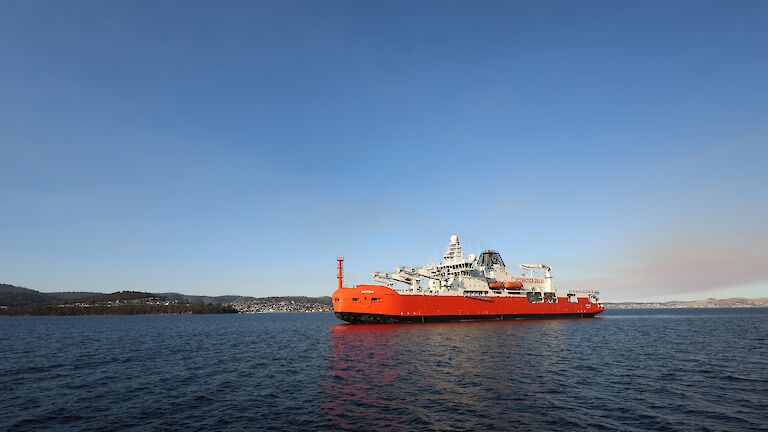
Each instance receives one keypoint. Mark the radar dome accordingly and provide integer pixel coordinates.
(454, 239)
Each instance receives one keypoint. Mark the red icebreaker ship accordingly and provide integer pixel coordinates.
(461, 289)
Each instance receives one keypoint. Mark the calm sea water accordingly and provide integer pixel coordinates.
(629, 370)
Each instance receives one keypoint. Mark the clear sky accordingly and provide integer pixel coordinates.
(239, 147)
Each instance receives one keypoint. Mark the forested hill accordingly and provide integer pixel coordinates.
(23, 301)
(12, 296)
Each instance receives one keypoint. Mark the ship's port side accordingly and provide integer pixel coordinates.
(381, 304)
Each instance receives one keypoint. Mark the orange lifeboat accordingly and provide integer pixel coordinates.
(512, 285)
(495, 285)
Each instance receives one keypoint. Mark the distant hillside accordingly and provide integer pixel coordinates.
(235, 298)
(201, 299)
(731, 302)
(301, 299)
(22, 301)
(73, 295)
(12, 296)
(708, 303)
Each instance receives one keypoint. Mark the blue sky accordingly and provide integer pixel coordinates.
(239, 147)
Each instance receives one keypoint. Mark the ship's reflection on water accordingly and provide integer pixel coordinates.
(362, 361)
(438, 376)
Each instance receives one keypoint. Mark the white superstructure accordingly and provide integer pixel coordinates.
(483, 275)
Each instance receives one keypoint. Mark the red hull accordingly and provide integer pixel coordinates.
(375, 303)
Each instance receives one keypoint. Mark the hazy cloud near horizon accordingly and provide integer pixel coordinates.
(684, 263)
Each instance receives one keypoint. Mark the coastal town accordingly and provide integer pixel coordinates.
(267, 305)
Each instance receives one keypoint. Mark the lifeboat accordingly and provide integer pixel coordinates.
(495, 285)
(513, 285)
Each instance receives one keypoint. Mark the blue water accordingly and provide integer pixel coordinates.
(629, 370)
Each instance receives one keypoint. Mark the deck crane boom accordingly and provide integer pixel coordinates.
(409, 276)
(547, 272)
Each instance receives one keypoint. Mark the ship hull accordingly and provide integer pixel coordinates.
(365, 304)
(363, 318)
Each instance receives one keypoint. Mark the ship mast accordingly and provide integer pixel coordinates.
(340, 274)
(453, 254)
